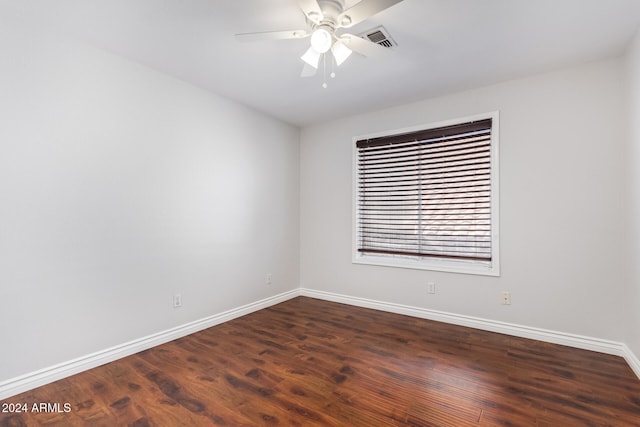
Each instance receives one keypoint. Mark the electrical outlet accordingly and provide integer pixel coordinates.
(431, 288)
(506, 298)
(177, 301)
(269, 279)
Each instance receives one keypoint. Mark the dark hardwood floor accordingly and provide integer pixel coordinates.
(308, 362)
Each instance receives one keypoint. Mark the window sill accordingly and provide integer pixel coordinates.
(449, 266)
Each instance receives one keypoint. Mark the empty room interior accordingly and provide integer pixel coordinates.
(320, 213)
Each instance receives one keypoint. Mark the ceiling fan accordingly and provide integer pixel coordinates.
(324, 18)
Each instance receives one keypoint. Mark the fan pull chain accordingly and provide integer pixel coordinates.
(324, 71)
(333, 65)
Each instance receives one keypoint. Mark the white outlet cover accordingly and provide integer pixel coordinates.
(506, 298)
(431, 288)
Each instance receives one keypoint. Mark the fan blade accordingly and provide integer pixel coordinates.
(311, 9)
(308, 71)
(363, 10)
(272, 35)
(364, 47)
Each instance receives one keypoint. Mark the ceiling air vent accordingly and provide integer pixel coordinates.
(379, 36)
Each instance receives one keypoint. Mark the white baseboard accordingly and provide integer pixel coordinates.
(571, 340)
(53, 373)
(632, 360)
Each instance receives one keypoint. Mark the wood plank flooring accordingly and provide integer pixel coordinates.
(307, 362)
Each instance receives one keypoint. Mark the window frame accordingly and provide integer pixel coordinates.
(433, 263)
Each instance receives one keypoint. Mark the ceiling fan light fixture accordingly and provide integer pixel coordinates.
(321, 40)
(340, 52)
(312, 57)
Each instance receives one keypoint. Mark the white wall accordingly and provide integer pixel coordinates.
(562, 205)
(633, 324)
(121, 186)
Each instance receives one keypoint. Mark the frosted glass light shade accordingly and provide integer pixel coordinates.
(321, 40)
(312, 57)
(340, 52)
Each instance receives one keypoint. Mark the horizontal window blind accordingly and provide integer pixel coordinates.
(426, 193)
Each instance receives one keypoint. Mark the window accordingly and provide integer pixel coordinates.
(428, 197)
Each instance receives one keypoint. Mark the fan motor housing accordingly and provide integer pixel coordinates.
(331, 9)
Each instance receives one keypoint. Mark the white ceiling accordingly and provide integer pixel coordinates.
(443, 46)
